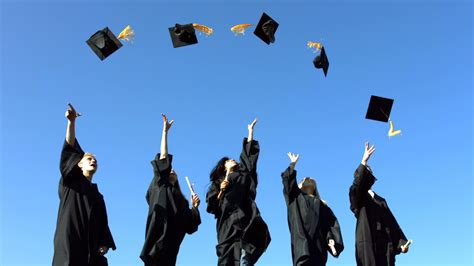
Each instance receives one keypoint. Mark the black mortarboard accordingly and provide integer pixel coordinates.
(379, 108)
(183, 35)
(266, 29)
(104, 43)
(321, 61)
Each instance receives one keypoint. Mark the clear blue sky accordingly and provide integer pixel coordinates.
(416, 52)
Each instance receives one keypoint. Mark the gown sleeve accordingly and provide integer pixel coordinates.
(161, 169)
(396, 233)
(363, 180)
(193, 220)
(333, 231)
(290, 188)
(70, 157)
(212, 201)
(106, 239)
(249, 156)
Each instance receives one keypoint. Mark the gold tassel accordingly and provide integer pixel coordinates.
(204, 29)
(240, 28)
(315, 45)
(127, 34)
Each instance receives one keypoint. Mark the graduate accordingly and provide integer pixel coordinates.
(242, 234)
(82, 234)
(169, 216)
(378, 236)
(314, 228)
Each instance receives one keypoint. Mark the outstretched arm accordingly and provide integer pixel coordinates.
(290, 188)
(164, 137)
(71, 116)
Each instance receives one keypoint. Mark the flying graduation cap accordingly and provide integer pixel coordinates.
(266, 29)
(104, 43)
(379, 109)
(321, 60)
(184, 35)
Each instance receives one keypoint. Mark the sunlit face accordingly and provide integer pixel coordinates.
(88, 163)
(173, 177)
(230, 164)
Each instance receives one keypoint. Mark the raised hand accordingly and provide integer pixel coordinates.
(71, 113)
(166, 124)
(367, 153)
(195, 200)
(293, 157)
(250, 127)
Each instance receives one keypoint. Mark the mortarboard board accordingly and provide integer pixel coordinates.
(379, 108)
(321, 61)
(183, 35)
(104, 43)
(266, 29)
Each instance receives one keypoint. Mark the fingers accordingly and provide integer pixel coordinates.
(71, 107)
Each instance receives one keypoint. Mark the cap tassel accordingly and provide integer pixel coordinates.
(127, 34)
(316, 45)
(204, 29)
(240, 28)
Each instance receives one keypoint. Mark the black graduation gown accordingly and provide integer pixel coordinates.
(169, 217)
(82, 225)
(378, 235)
(239, 224)
(312, 223)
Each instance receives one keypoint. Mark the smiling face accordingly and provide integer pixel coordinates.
(230, 164)
(88, 163)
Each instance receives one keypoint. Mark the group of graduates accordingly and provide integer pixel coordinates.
(83, 236)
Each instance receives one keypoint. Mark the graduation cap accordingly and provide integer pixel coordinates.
(379, 109)
(104, 43)
(321, 61)
(183, 35)
(266, 29)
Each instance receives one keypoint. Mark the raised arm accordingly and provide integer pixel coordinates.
(250, 151)
(71, 116)
(363, 181)
(71, 152)
(162, 162)
(288, 177)
(164, 136)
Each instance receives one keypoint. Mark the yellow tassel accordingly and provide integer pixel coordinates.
(204, 29)
(392, 132)
(240, 28)
(127, 34)
(315, 45)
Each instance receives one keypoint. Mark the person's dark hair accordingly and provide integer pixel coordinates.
(219, 170)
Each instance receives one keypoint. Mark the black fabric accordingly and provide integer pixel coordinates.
(82, 225)
(169, 217)
(239, 224)
(312, 224)
(378, 236)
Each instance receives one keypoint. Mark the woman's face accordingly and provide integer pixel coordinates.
(308, 186)
(173, 177)
(230, 164)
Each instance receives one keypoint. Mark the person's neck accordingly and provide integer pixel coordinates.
(88, 175)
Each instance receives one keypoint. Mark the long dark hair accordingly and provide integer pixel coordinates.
(218, 172)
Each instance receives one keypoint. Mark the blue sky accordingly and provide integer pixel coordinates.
(416, 52)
